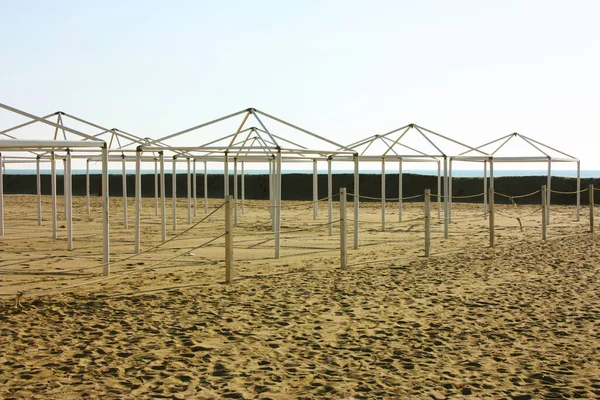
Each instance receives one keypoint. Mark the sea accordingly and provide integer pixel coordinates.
(457, 173)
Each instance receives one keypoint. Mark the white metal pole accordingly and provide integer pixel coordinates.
(271, 209)
(205, 188)
(400, 191)
(138, 198)
(69, 201)
(315, 191)
(88, 199)
(174, 192)
(53, 191)
(446, 195)
(427, 222)
(189, 192)
(356, 200)
(485, 189)
(243, 190)
(491, 203)
(578, 190)
(383, 195)
(544, 224)
(549, 191)
(156, 187)
(278, 206)
(439, 190)
(105, 212)
(329, 195)
(450, 190)
(228, 241)
(163, 201)
(1, 196)
(65, 187)
(194, 189)
(124, 182)
(235, 191)
(39, 190)
(343, 230)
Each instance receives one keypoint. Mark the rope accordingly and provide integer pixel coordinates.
(573, 192)
(148, 249)
(517, 196)
(387, 222)
(385, 198)
(470, 196)
(20, 293)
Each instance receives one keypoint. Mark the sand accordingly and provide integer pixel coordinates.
(521, 320)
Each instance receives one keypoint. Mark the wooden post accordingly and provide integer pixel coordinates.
(544, 215)
(138, 199)
(105, 213)
(174, 192)
(53, 193)
(235, 191)
(124, 186)
(343, 230)
(205, 187)
(591, 190)
(491, 216)
(356, 200)
(68, 183)
(329, 195)
(1, 197)
(228, 241)
(156, 187)
(189, 191)
(163, 205)
(427, 222)
(194, 189)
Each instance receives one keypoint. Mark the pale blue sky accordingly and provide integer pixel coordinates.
(473, 70)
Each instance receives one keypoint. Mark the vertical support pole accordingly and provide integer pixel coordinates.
(39, 190)
(69, 200)
(343, 230)
(228, 241)
(124, 180)
(205, 187)
(65, 187)
(278, 205)
(163, 198)
(549, 191)
(439, 190)
(194, 189)
(53, 190)
(446, 196)
(235, 192)
(189, 192)
(544, 224)
(330, 198)
(156, 187)
(591, 190)
(138, 198)
(356, 200)
(174, 191)
(427, 222)
(450, 191)
(400, 190)
(485, 189)
(271, 198)
(491, 206)
(87, 187)
(578, 190)
(1, 196)
(243, 190)
(226, 175)
(105, 213)
(315, 191)
(383, 195)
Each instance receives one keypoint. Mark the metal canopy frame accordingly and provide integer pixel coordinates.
(540, 153)
(396, 149)
(81, 142)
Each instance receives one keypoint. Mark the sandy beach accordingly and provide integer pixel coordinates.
(521, 320)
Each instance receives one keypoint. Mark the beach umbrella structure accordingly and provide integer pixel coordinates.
(518, 148)
(246, 136)
(59, 141)
(411, 143)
